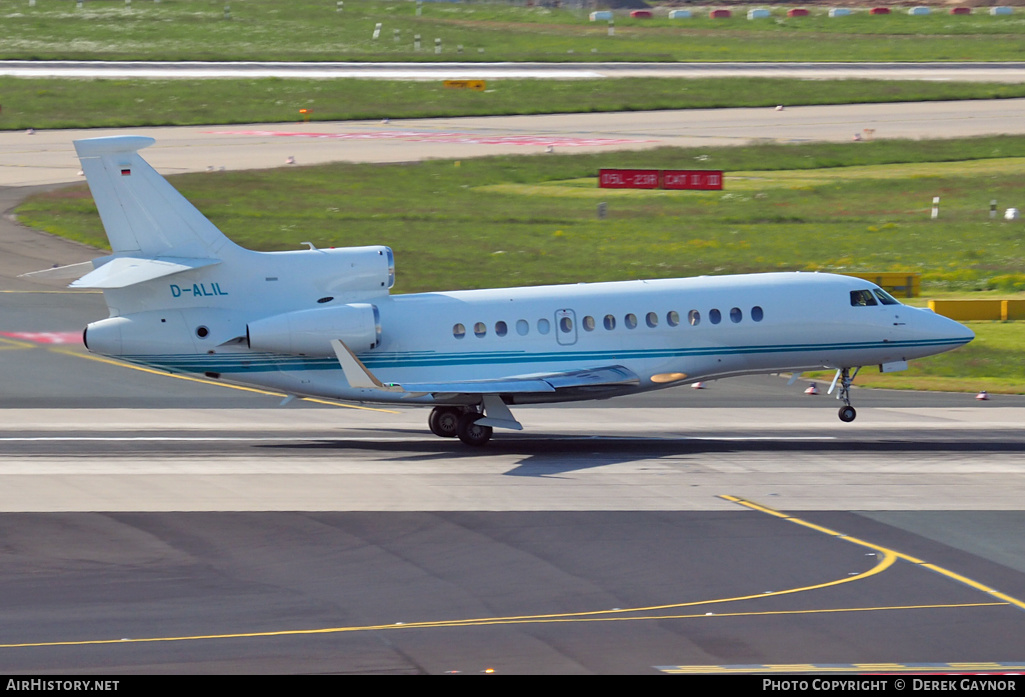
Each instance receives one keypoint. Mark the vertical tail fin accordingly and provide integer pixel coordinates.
(143, 214)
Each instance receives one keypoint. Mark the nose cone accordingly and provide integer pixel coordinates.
(957, 332)
(941, 333)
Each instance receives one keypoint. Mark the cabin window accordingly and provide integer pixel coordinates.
(458, 331)
(714, 316)
(565, 325)
(588, 323)
(630, 321)
(694, 317)
(501, 328)
(884, 297)
(673, 318)
(862, 298)
(757, 314)
(480, 330)
(651, 319)
(610, 322)
(544, 326)
(522, 327)
(736, 315)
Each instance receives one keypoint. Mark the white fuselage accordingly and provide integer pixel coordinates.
(666, 331)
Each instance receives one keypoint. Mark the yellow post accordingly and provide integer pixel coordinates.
(1011, 310)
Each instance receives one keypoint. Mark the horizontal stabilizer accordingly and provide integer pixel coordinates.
(60, 273)
(127, 271)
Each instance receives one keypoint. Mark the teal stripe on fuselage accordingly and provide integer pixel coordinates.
(448, 359)
(256, 363)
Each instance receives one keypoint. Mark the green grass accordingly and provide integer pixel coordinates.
(52, 103)
(313, 30)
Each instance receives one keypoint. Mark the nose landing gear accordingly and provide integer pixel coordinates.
(846, 379)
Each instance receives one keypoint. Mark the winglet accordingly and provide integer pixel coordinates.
(356, 373)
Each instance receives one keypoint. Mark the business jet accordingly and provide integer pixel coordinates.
(322, 323)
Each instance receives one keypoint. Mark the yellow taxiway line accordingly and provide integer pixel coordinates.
(152, 371)
(885, 559)
(883, 550)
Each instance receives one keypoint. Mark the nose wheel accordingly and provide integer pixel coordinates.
(844, 379)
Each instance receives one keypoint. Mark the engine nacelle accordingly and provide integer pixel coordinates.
(163, 332)
(309, 332)
(339, 272)
(141, 334)
(105, 337)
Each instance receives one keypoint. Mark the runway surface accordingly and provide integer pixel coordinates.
(1013, 72)
(151, 524)
(48, 157)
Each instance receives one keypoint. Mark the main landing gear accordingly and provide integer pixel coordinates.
(461, 423)
(845, 378)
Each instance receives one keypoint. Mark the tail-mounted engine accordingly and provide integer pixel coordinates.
(309, 332)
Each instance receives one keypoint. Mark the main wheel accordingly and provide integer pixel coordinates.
(444, 422)
(847, 414)
(471, 432)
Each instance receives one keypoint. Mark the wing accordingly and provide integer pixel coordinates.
(592, 381)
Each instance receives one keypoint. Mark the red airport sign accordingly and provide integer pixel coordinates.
(700, 179)
(628, 179)
(693, 179)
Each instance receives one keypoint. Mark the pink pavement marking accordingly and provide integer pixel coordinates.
(46, 337)
(433, 137)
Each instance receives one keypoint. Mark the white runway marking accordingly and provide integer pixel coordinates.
(380, 439)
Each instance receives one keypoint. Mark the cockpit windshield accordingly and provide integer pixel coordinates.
(884, 297)
(865, 298)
